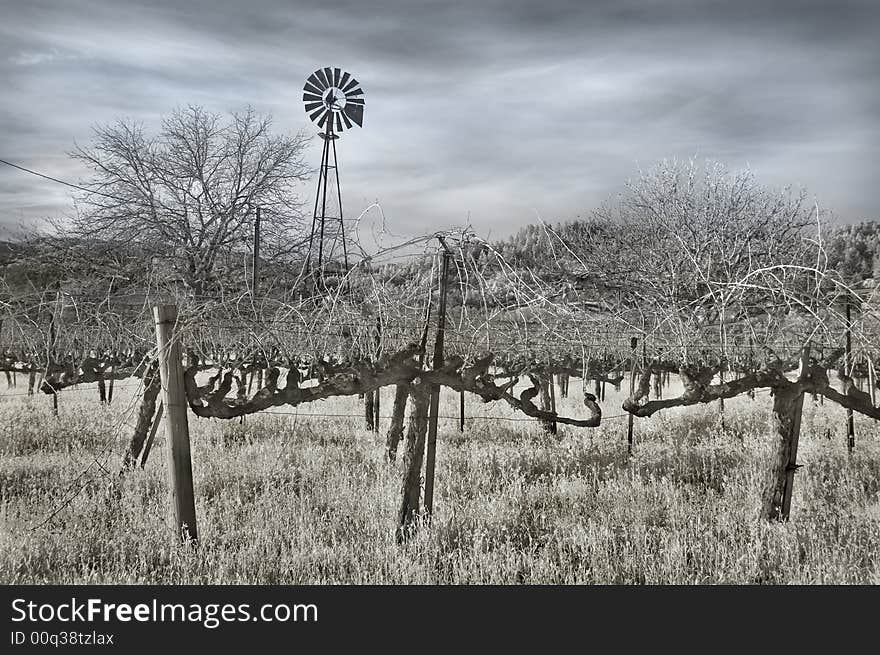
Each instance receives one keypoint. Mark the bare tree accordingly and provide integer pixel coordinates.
(721, 275)
(191, 190)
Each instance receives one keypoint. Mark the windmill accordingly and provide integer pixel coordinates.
(334, 101)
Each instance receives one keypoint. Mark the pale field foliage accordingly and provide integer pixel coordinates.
(285, 499)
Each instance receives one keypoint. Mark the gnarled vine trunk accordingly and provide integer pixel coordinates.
(549, 426)
(413, 454)
(395, 432)
(788, 402)
(152, 386)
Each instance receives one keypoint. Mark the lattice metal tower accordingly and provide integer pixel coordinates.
(334, 101)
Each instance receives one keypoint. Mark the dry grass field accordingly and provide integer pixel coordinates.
(289, 499)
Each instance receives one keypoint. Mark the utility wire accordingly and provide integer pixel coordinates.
(56, 180)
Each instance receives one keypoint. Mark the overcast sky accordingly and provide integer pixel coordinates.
(489, 112)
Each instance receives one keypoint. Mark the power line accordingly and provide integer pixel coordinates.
(56, 180)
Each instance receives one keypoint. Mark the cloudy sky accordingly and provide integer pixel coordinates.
(487, 112)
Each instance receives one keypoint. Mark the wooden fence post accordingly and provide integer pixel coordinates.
(176, 425)
(255, 268)
(369, 411)
(377, 403)
(461, 411)
(848, 361)
(634, 343)
(431, 455)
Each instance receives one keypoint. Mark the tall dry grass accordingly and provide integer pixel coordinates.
(299, 499)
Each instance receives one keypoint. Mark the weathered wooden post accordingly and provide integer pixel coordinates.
(848, 361)
(634, 343)
(376, 409)
(102, 390)
(377, 403)
(431, 454)
(369, 411)
(461, 411)
(176, 424)
(255, 268)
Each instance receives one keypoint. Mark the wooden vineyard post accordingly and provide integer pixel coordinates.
(553, 429)
(850, 426)
(634, 343)
(433, 411)
(369, 411)
(461, 411)
(872, 382)
(255, 268)
(176, 425)
(376, 409)
(377, 403)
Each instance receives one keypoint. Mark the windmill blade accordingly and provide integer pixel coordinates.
(351, 85)
(344, 80)
(336, 75)
(355, 92)
(355, 101)
(315, 115)
(355, 113)
(338, 123)
(315, 81)
(345, 119)
(324, 81)
(328, 73)
(311, 97)
(311, 88)
(323, 118)
(312, 106)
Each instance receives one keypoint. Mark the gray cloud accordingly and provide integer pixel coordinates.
(493, 110)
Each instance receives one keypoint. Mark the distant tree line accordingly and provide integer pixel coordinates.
(853, 250)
